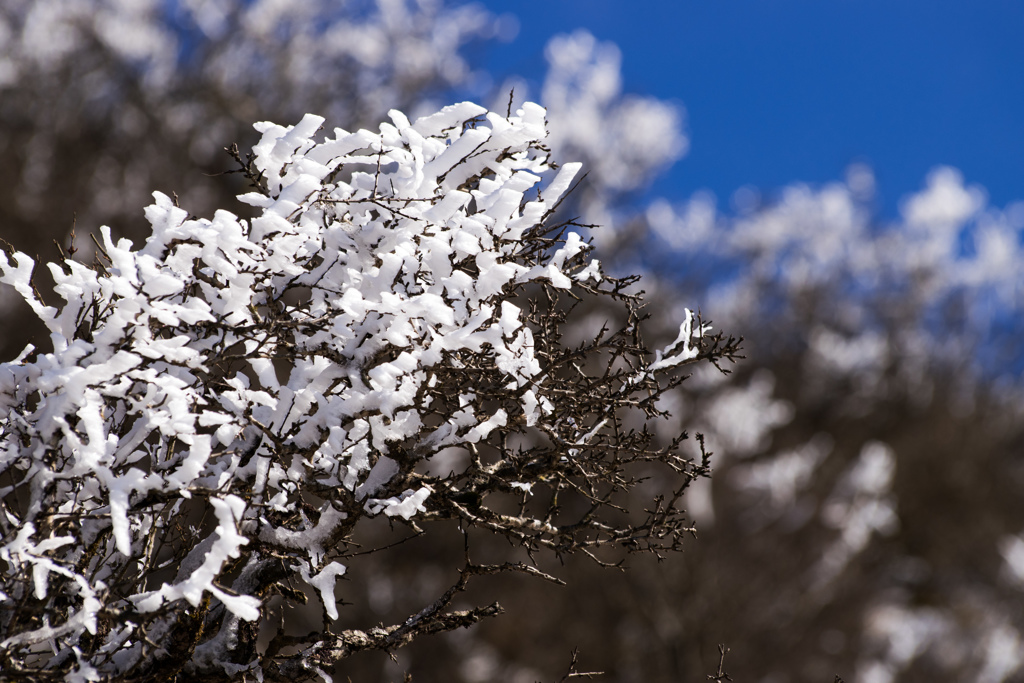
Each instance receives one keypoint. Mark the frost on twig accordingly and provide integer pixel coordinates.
(221, 408)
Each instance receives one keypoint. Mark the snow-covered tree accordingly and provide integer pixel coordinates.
(222, 411)
(866, 454)
(867, 457)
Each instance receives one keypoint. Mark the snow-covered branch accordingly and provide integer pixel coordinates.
(223, 406)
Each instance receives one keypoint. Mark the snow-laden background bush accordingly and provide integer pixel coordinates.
(223, 407)
(868, 451)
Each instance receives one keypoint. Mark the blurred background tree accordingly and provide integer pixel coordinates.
(864, 514)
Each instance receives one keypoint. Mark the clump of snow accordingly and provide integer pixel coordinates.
(860, 506)
(740, 419)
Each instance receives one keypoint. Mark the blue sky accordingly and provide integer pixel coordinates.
(778, 91)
